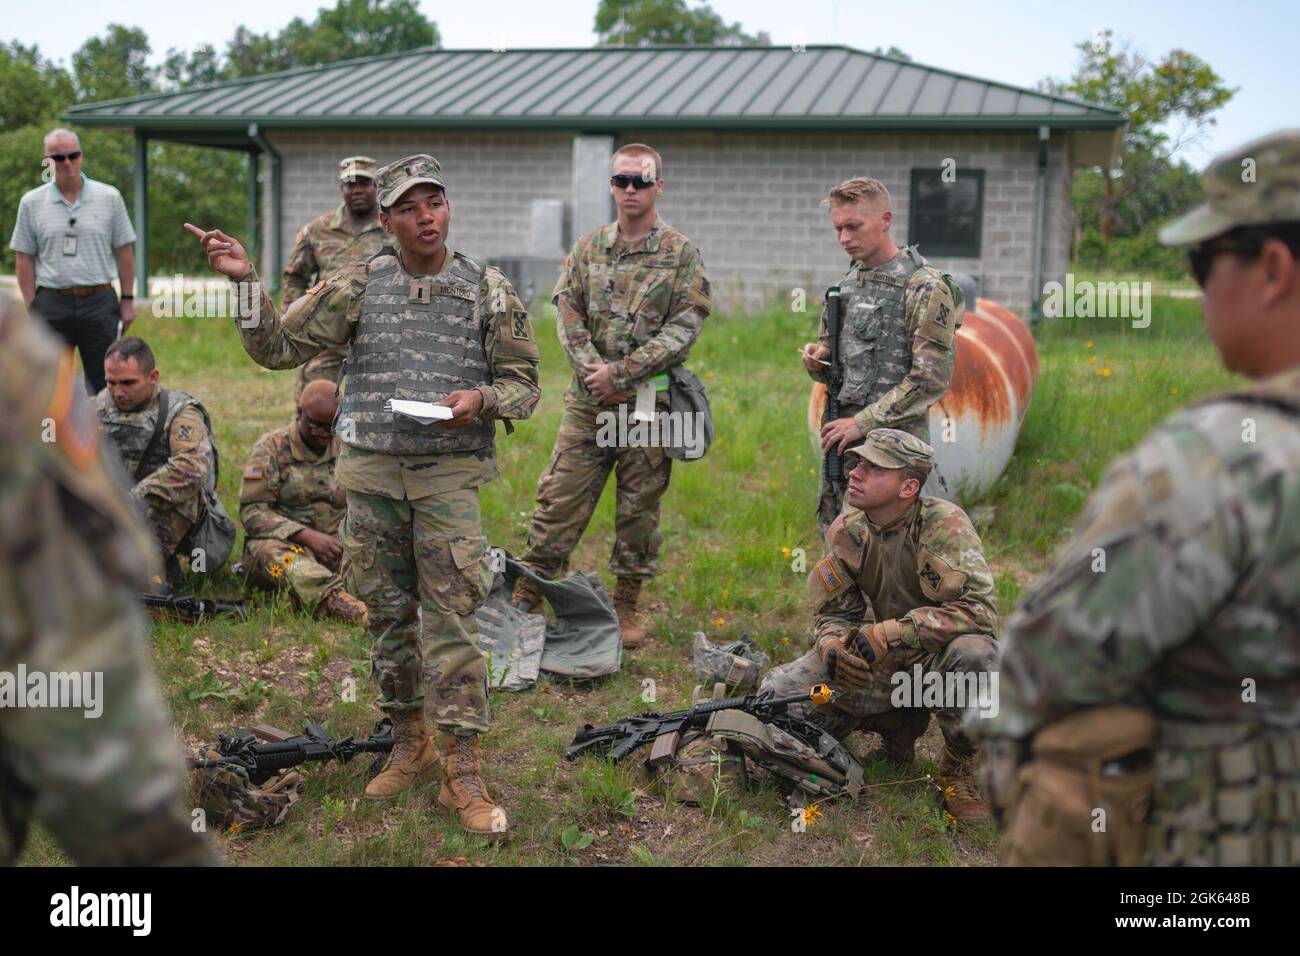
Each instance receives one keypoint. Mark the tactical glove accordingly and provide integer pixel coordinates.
(843, 665)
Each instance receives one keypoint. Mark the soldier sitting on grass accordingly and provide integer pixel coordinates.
(172, 462)
(291, 508)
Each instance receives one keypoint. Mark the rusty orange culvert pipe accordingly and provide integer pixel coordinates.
(975, 425)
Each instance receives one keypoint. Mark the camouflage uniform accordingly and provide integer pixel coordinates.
(1177, 595)
(287, 488)
(925, 571)
(323, 247)
(413, 530)
(897, 349)
(72, 555)
(639, 307)
(181, 471)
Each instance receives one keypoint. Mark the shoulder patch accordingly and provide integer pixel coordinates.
(519, 324)
(76, 426)
(940, 581)
(253, 472)
(827, 576)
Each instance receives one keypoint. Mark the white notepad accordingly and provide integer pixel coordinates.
(422, 412)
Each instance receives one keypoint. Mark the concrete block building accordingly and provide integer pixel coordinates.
(752, 139)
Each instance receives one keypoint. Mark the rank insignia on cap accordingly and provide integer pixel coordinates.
(253, 472)
(828, 576)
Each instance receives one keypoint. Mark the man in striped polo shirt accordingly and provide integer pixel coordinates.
(72, 235)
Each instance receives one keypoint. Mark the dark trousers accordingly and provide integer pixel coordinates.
(86, 323)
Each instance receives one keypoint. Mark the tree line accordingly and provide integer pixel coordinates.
(1170, 101)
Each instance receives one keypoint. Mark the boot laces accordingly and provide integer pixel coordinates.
(464, 768)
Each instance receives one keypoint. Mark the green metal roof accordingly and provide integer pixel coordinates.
(607, 87)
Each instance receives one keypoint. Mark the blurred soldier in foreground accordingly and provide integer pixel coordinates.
(291, 507)
(1150, 704)
(631, 300)
(350, 233)
(896, 343)
(165, 439)
(904, 604)
(72, 555)
(427, 325)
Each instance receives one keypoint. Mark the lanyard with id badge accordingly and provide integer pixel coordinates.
(70, 239)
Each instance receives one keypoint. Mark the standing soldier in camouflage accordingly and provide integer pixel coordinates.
(904, 585)
(1151, 678)
(291, 507)
(351, 233)
(72, 556)
(425, 324)
(897, 336)
(631, 299)
(173, 462)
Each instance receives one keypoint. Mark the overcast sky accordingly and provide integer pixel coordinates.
(1251, 44)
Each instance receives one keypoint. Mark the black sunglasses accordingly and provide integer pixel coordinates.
(60, 157)
(636, 181)
(1201, 257)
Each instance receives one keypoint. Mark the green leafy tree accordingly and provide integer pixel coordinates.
(349, 29)
(646, 22)
(893, 51)
(200, 66)
(32, 90)
(114, 65)
(1170, 104)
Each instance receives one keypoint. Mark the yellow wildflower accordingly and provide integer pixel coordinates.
(719, 621)
(1089, 343)
(274, 570)
(786, 552)
(810, 814)
(1092, 359)
(287, 560)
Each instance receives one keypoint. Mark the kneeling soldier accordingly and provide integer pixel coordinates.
(164, 437)
(905, 584)
(291, 508)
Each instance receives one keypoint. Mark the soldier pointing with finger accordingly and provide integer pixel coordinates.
(424, 324)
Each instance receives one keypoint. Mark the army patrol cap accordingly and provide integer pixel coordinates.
(1252, 185)
(356, 167)
(891, 448)
(396, 178)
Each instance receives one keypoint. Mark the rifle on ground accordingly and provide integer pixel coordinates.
(190, 608)
(665, 730)
(264, 751)
(834, 467)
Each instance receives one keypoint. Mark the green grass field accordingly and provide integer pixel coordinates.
(732, 525)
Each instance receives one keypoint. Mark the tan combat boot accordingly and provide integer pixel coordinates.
(629, 621)
(899, 730)
(342, 606)
(413, 756)
(464, 791)
(526, 596)
(957, 781)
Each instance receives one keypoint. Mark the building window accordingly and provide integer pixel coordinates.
(946, 218)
